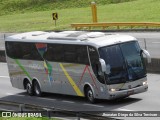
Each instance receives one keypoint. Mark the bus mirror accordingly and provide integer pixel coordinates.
(105, 68)
(103, 65)
(147, 55)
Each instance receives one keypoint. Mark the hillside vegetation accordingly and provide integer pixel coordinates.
(21, 6)
(34, 18)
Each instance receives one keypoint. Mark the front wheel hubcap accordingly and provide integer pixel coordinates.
(90, 95)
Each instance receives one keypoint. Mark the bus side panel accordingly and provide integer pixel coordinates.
(15, 73)
(75, 76)
(70, 77)
(54, 84)
(45, 73)
(36, 71)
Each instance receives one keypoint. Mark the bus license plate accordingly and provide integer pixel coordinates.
(130, 92)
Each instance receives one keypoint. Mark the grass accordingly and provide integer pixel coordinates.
(21, 6)
(134, 11)
(25, 118)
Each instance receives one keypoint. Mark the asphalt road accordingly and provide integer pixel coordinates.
(147, 40)
(148, 101)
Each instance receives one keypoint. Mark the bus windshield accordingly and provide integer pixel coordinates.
(125, 61)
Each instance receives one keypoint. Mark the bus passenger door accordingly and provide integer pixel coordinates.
(96, 71)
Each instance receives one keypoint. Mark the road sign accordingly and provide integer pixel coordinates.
(55, 16)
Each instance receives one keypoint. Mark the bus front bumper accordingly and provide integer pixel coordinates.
(128, 92)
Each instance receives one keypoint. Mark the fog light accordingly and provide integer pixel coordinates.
(145, 83)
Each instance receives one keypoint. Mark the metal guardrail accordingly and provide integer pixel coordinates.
(51, 111)
(78, 26)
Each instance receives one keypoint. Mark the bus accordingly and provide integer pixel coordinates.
(95, 65)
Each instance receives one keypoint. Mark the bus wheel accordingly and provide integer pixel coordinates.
(90, 95)
(29, 89)
(37, 89)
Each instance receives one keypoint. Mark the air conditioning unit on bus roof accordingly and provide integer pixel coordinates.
(62, 38)
(92, 35)
(37, 33)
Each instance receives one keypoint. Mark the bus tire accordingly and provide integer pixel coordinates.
(37, 89)
(90, 95)
(29, 88)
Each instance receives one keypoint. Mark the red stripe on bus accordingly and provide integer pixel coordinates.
(93, 79)
(83, 74)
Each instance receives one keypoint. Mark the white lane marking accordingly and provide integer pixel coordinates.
(2, 109)
(4, 77)
(3, 63)
(156, 42)
(20, 95)
(93, 105)
(9, 94)
(68, 118)
(45, 98)
(67, 101)
(122, 109)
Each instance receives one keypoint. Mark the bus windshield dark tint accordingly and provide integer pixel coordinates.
(133, 60)
(114, 58)
(125, 61)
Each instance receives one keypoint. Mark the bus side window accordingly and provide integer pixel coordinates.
(69, 53)
(27, 51)
(30, 52)
(48, 54)
(14, 50)
(82, 55)
(54, 53)
(58, 53)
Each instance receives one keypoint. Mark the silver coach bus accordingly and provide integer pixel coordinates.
(94, 65)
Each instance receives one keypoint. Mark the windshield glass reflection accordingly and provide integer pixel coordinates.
(125, 62)
(133, 59)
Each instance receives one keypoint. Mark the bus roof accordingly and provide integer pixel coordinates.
(97, 39)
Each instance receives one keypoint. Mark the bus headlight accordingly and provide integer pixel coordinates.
(112, 90)
(145, 83)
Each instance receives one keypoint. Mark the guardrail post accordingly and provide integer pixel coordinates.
(78, 116)
(48, 112)
(94, 12)
(21, 107)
